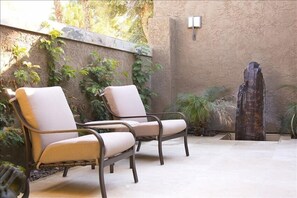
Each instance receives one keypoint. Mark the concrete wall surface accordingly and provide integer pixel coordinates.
(233, 33)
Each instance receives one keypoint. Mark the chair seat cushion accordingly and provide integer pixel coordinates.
(152, 128)
(87, 147)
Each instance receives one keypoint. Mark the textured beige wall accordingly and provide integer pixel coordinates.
(76, 53)
(233, 34)
(163, 81)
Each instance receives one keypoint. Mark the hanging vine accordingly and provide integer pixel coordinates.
(54, 47)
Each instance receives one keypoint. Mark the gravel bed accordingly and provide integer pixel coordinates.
(37, 174)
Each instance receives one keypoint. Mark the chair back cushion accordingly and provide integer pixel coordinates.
(125, 101)
(46, 109)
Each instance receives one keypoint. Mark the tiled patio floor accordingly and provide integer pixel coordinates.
(215, 168)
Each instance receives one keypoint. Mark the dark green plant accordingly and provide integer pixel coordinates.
(6, 117)
(55, 53)
(10, 136)
(97, 75)
(289, 119)
(196, 109)
(142, 70)
(201, 110)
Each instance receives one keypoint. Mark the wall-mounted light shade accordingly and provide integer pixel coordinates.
(194, 21)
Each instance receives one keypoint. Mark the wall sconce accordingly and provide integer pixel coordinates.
(194, 22)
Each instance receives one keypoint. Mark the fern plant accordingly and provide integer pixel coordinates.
(201, 110)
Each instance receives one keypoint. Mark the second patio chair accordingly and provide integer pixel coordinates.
(52, 139)
(124, 103)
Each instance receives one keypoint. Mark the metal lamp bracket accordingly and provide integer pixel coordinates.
(194, 22)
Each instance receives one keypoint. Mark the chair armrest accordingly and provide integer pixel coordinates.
(146, 116)
(180, 114)
(90, 131)
(142, 116)
(109, 124)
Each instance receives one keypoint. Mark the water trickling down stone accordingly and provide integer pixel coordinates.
(250, 105)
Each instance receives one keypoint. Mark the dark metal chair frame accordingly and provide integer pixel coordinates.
(160, 138)
(31, 165)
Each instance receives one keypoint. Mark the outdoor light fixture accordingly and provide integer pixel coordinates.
(194, 22)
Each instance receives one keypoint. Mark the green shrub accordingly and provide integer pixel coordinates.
(10, 137)
(97, 75)
(201, 110)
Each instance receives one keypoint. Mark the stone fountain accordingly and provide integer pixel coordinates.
(250, 105)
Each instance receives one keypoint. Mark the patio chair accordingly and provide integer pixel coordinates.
(124, 103)
(52, 139)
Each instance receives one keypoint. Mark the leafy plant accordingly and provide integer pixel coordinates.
(202, 110)
(97, 75)
(142, 70)
(289, 120)
(18, 52)
(10, 136)
(26, 72)
(55, 53)
(6, 117)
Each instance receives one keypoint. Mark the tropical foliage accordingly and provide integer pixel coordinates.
(124, 19)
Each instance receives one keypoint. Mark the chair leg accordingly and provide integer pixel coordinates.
(101, 179)
(27, 189)
(138, 146)
(160, 152)
(65, 171)
(186, 145)
(111, 167)
(92, 166)
(133, 166)
(27, 186)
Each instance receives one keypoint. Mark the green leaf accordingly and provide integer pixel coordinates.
(55, 34)
(35, 77)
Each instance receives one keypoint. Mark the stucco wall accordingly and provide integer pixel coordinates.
(77, 55)
(233, 34)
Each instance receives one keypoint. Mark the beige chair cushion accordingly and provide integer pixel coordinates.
(80, 148)
(125, 101)
(152, 128)
(46, 109)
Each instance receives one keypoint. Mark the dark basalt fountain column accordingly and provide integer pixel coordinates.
(250, 105)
